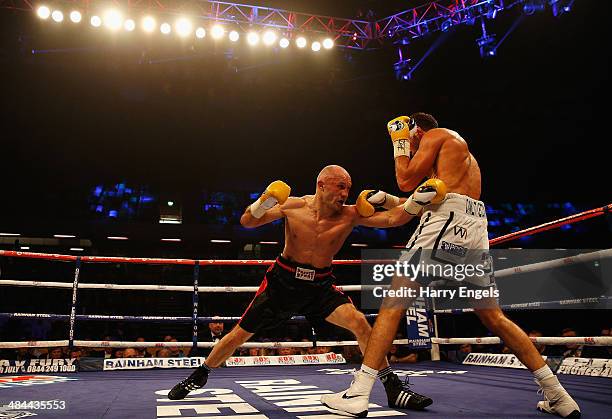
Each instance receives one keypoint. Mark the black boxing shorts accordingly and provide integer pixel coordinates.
(291, 289)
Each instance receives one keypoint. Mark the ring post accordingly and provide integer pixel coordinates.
(75, 288)
(194, 316)
(435, 348)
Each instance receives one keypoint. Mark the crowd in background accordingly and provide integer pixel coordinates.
(216, 330)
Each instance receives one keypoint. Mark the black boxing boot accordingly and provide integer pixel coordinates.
(196, 380)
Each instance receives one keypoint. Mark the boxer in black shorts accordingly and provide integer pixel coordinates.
(300, 282)
(283, 294)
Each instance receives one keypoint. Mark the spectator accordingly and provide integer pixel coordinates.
(168, 338)
(352, 354)
(322, 349)
(540, 347)
(55, 353)
(458, 355)
(163, 353)
(131, 353)
(216, 331)
(118, 353)
(401, 354)
(254, 352)
(571, 349)
(142, 353)
(76, 353)
(21, 354)
(286, 351)
(601, 352)
(175, 351)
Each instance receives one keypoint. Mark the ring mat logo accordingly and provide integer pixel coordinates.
(5, 413)
(29, 380)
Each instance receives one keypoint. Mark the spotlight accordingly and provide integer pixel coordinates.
(183, 27)
(200, 33)
(316, 46)
(95, 21)
(269, 38)
(57, 16)
(43, 12)
(486, 45)
(113, 19)
(560, 7)
(148, 24)
(252, 38)
(217, 31)
(284, 43)
(328, 43)
(300, 42)
(234, 36)
(532, 6)
(165, 28)
(129, 25)
(446, 25)
(75, 16)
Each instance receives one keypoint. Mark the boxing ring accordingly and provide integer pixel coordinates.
(281, 390)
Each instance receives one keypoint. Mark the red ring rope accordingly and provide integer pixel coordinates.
(596, 212)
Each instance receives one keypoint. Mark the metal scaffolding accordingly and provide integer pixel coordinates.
(347, 33)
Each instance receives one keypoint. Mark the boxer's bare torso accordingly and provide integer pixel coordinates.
(311, 238)
(444, 154)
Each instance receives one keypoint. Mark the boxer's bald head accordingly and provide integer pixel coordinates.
(333, 171)
(333, 185)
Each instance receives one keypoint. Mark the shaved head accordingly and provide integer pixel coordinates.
(333, 171)
(333, 186)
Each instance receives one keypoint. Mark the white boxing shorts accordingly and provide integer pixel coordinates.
(453, 235)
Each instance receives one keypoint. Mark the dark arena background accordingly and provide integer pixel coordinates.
(135, 133)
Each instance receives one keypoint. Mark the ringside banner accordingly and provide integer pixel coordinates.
(11, 366)
(257, 361)
(594, 367)
(112, 364)
(493, 360)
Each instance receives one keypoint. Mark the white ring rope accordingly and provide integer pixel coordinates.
(554, 263)
(183, 288)
(125, 344)
(587, 341)
(534, 267)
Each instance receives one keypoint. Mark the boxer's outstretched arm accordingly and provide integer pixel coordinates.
(395, 217)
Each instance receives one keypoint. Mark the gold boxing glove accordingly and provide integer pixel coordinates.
(401, 130)
(433, 191)
(277, 192)
(369, 200)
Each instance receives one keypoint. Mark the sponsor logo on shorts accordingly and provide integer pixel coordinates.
(305, 274)
(476, 208)
(460, 231)
(453, 249)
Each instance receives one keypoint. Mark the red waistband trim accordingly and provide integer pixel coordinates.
(292, 269)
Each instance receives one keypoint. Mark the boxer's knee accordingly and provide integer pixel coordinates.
(492, 318)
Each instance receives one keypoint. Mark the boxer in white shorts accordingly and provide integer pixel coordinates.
(454, 232)
(458, 224)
